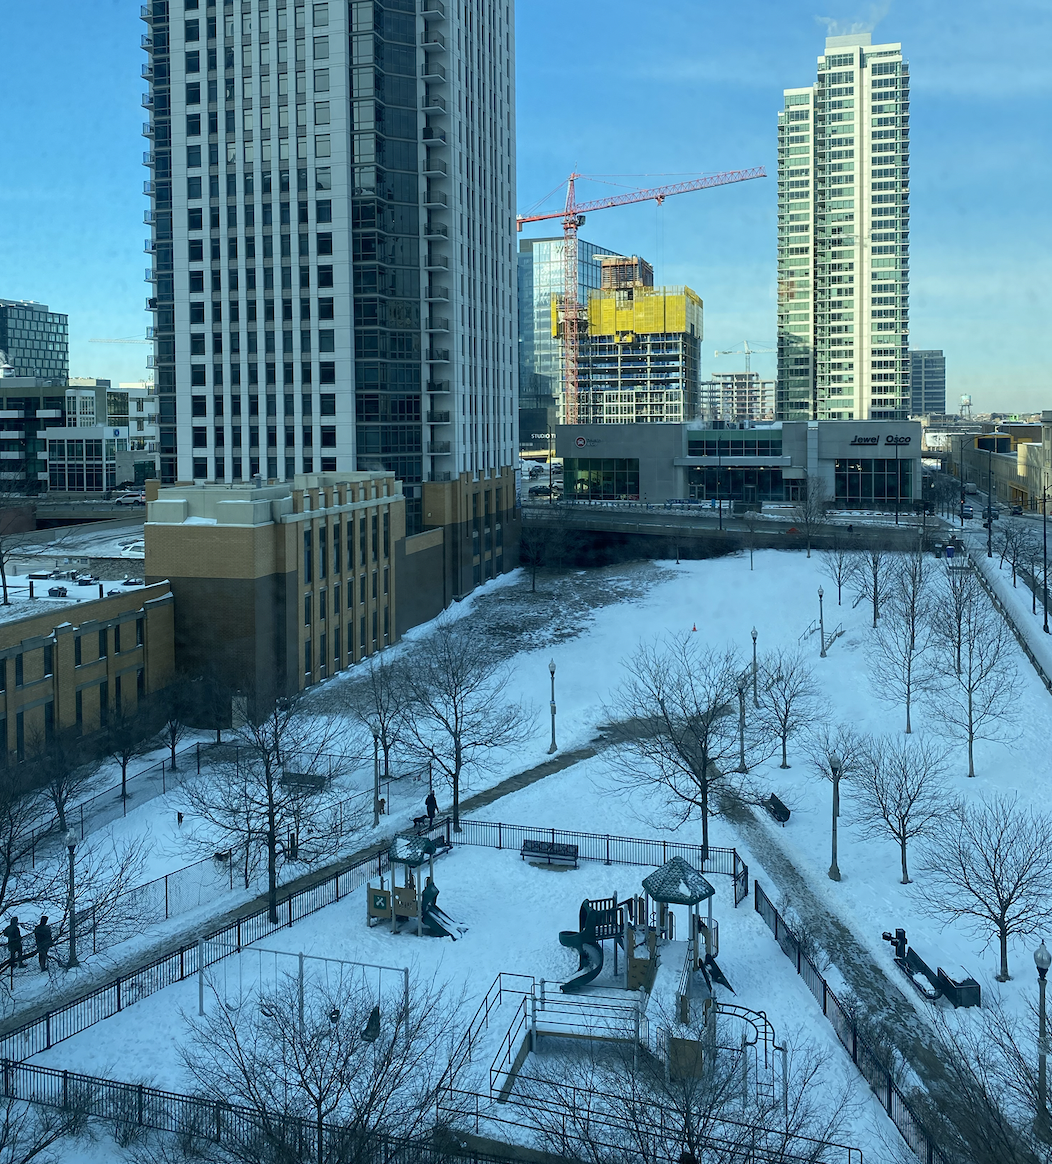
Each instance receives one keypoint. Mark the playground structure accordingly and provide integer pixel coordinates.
(401, 904)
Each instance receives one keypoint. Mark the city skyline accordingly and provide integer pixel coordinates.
(977, 231)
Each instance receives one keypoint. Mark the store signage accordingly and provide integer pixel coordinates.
(875, 440)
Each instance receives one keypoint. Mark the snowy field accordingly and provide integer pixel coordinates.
(589, 623)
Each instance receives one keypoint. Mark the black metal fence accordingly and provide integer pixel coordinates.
(104, 1001)
(869, 1063)
(136, 1105)
(609, 849)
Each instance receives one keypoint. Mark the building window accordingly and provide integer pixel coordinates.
(306, 557)
(615, 479)
(49, 661)
(77, 652)
(307, 667)
(306, 609)
(117, 639)
(103, 648)
(19, 671)
(140, 632)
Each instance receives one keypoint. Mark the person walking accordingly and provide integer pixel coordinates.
(13, 933)
(431, 804)
(44, 939)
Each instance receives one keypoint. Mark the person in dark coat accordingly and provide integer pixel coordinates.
(431, 804)
(13, 933)
(44, 939)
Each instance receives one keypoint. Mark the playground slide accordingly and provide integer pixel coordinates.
(439, 924)
(591, 956)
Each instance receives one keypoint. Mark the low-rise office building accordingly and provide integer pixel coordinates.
(281, 585)
(72, 667)
(856, 464)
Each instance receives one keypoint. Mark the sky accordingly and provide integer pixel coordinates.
(636, 93)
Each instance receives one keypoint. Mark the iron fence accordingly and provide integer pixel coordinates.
(870, 1064)
(40, 1033)
(136, 1105)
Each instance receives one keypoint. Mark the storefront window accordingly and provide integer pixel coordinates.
(870, 481)
(609, 479)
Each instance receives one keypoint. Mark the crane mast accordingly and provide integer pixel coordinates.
(573, 215)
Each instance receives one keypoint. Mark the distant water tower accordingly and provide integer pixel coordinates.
(966, 408)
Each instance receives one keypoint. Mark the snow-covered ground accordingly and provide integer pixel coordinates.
(514, 911)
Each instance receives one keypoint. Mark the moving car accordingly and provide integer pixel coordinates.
(130, 499)
(966, 510)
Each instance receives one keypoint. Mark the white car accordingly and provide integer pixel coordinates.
(130, 499)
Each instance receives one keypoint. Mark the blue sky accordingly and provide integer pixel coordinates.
(612, 88)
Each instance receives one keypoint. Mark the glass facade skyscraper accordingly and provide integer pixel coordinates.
(332, 210)
(843, 237)
(927, 383)
(33, 340)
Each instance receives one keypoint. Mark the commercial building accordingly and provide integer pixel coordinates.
(332, 203)
(1013, 462)
(74, 666)
(278, 586)
(28, 405)
(927, 383)
(864, 464)
(736, 397)
(641, 359)
(34, 341)
(843, 237)
(541, 288)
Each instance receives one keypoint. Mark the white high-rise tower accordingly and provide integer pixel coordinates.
(843, 237)
(333, 238)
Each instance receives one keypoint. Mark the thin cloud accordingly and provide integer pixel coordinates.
(835, 27)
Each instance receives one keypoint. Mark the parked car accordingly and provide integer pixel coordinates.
(545, 491)
(991, 512)
(967, 511)
(1016, 511)
(130, 499)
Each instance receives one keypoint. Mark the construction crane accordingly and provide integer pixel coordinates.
(748, 352)
(572, 215)
(120, 341)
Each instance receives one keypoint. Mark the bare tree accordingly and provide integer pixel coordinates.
(177, 703)
(753, 523)
(788, 696)
(379, 701)
(332, 1062)
(990, 867)
(31, 1132)
(128, 736)
(839, 565)
(873, 577)
(64, 765)
(16, 522)
(1014, 537)
(900, 791)
(978, 700)
(456, 716)
(275, 800)
(810, 512)
(677, 713)
(541, 546)
(902, 664)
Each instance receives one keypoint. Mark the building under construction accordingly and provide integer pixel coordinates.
(640, 357)
(737, 397)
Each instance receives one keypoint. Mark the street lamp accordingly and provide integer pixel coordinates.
(551, 668)
(376, 773)
(71, 844)
(1042, 960)
(1044, 553)
(755, 699)
(898, 483)
(719, 479)
(990, 499)
(836, 767)
(821, 623)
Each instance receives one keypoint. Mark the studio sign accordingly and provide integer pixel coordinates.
(875, 440)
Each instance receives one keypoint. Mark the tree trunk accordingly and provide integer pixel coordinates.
(3, 577)
(457, 764)
(124, 779)
(272, 855)
(905, 869)
(172, 741)
(1004, 975)
(785, 743)
(971, 737)
(533, 579)
(705, 820)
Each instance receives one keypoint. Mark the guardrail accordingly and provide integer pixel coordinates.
(1016, 630)
(869, 1064)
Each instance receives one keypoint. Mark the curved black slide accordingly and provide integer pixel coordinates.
(591, 959)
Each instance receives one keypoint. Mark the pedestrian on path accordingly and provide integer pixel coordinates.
(431, 804)
(13, 933)
(44, 939)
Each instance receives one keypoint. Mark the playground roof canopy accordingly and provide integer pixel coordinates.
(410, 849)
(677, 883)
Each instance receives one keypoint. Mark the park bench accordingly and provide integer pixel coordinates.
(551, 852)
(776, 808)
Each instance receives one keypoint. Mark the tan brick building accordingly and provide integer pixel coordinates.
(74, 666)
(278, 586)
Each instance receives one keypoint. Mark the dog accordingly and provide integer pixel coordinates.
(420, 821)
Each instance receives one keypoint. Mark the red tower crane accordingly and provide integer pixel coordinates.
(572, 215)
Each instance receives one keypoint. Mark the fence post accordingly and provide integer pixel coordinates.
(607, 862)
(140, 1104)
(199, 757)
(500, 835)
(166, 896)
(201, 980)
(163, 789)
(65, 1089)
(300, 993)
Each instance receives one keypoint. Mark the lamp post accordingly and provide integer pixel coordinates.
(990, 499)
(836, 767)
(821, 624)
(71, 845)
(898, 484)
(742, 766)
(1044, 554)
(551, 668)
(719, 480)
(755, 698)
(1042, 960)
(376, 774)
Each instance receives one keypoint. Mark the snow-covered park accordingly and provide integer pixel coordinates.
(591, 624)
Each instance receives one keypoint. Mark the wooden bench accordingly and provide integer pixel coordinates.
(551, 852)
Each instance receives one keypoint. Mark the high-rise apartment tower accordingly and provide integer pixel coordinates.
(927, 383)
(33, 340)
(332, 207)
(843, 237)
